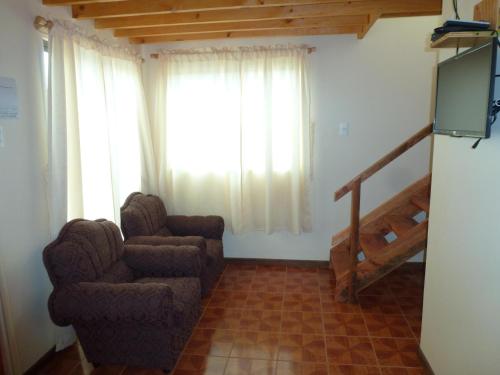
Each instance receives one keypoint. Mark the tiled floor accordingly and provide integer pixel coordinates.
(274, 320)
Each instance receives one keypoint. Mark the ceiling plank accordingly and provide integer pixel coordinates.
(141, 7)
(73, 2)
(353, 29)
(312, 22)
(392, 7)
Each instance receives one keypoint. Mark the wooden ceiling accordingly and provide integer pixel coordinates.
(157, 21)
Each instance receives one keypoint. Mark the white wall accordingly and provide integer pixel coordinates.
(461, 332)
(381, 85)
(24, 286)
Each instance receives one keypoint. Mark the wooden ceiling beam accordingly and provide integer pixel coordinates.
(372, 18)
(141, 7)
(382, 7)
(353, 29)
(74, 2)
(313, 22)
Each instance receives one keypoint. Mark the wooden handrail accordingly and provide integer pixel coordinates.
(394, 154)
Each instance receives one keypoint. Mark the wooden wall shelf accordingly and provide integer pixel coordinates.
(464, 39)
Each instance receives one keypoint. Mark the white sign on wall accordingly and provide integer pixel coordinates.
(8, 98)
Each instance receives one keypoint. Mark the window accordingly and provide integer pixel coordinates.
(234, 136)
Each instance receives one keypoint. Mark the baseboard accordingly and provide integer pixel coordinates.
(281, 262)
(35, 369)
(427, 366)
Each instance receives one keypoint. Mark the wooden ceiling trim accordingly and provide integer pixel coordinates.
(372, 18)
(73, 2)
(382, 7)
(353, 29)
(244, 26)
(140, 7)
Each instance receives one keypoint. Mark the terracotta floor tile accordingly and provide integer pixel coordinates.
(256, 345)
(397, 352)
(302, 302)
(415, 323)
(270, 268)
(210, 342)
(379, 305)
(231, 299)
(302, 286)
(302, 322)
(294, 368)
(402, 371)
(264, 301)
(302, 348)
(380, 288)
(353, 370)
(235, 283)
(344, 324)
(240, 267)
(221, 318)
(345, 350)
(200, 365)
(244, 366)
(329, 305)
(411, 305)
(261, 320)
(407, 290)
(268, 284)
(327, 287)
(303, 270)
(382, 325)
(145, 371)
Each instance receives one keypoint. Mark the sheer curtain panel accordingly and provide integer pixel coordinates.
(99, 147)
(232, 134)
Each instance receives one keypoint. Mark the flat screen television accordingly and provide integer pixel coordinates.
(465, 92)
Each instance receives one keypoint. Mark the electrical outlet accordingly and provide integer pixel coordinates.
(344, 129)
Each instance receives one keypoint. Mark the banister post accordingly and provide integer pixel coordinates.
(354, 235)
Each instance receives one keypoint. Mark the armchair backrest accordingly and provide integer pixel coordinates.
(144, 215)
(83, 252)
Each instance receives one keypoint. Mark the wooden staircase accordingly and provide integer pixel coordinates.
(387, 237)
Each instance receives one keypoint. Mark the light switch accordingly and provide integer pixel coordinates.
(2, 140)
(344, 129)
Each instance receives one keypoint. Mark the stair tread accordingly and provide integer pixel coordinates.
(373, 244)
(400, 224)
(422, 201)
(341, 260)
(396, 254)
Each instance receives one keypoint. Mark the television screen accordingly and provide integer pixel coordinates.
(465, 90)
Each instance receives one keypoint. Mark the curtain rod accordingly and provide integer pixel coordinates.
(157, 55)
(43, 25)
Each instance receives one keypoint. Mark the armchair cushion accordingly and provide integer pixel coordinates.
(164, 260)
(96, 302)
(205, 226)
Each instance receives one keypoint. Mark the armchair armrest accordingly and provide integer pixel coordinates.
(164, 260)
(197, 241)
(205, 226)
(104, 302)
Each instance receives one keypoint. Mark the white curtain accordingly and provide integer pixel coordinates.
(99, 148)
(99, 145)
(232, 134)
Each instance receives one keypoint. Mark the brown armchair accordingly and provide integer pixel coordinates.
(144, 220)
(133, 305)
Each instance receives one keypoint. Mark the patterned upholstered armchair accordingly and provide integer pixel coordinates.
(132, 305)
(144, 220)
